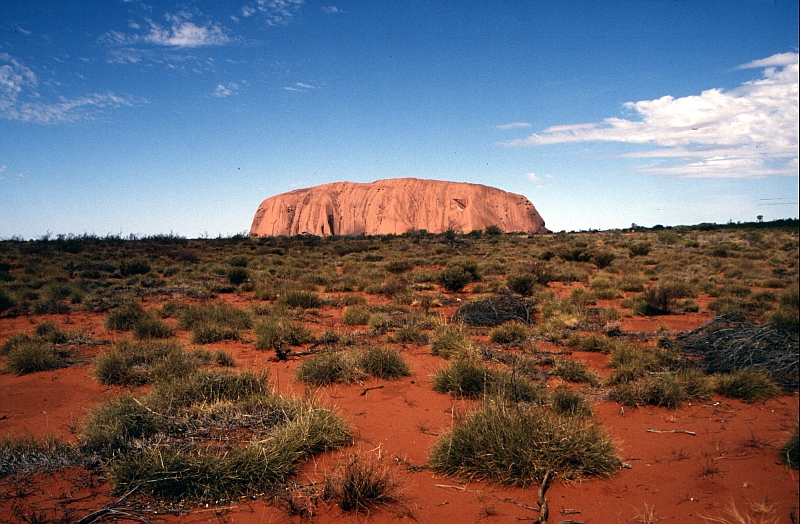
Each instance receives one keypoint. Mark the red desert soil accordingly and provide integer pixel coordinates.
(729, 460)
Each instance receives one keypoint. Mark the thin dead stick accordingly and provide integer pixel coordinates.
(542, 502)
(459, 488)
(566, 511)
(371, 388)
(651, 430)
(520, 504)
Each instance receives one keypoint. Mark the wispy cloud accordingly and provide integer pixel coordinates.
(300, 86)
(513, 125)
(275, 12)
(21, 100)
(179, 32)
(331, 9)
(226, 90)
(748, 132)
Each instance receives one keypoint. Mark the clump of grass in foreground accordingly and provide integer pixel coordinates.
(510, 333)
(361, 485)
(660, 390)
(167, 441)
(749, 385)
(790, 451)
(632, 361)
(350, 366)
(453, 342)
(474, 380)
(519, 446)
(125, 317)
(567, 403)
(278, 333)
(576, 371)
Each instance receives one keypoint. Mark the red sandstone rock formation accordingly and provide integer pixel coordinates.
(394, 206)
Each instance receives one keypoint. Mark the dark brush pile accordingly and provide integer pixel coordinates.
(726, 344)
(495, 310)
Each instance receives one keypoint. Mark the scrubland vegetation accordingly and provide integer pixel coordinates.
(483, 303)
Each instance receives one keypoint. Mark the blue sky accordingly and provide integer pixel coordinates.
(121, 117)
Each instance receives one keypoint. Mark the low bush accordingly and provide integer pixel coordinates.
(576, 371)
(659, 390)
(278, 333)
(520, 446)
(137, 363)
(356, 316)
(30, 355)
(474, 380)
(349, 366)
(361, 485)
(454, 278)
(592, 343)
(567, 403)
(301, 299)
(408, 335)
(238, 275)
(522, 283)
(749, 385)
(379, 323)
(134, 266)
(639, 249)
(631, 361)
(510, 333)
(150, 326)
(214, 323)
(27, 454)
(51, 333)
(453, 342)
(125, 317)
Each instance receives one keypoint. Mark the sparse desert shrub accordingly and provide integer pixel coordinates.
(454, 278)
(114, 425)
(790, 451)
(379, 323)
(604, 287)
(31, 355)
(353, 300)
(349, 366)
(510, 333)
(28, 454)
(134, 266)
(749, 385)
(603, 259)
(400, 266)
(592, 343)
(124, 318)
(568, 403)
(6, 301)
(453, 342)
(408, 335)
(661, 298)
(278, 333)
(238, 261)
(631, 361)
(522, 283)
(631, 283)
(660, 390)
(639, 249)
(238, 275)
(475, 380)
(575, 371)
(361, 485)
(137, 363)
(301, 299)
(696, 384)
(356, 316)
(519, 446)
(51, 333)
(214, 322)
(150, 326)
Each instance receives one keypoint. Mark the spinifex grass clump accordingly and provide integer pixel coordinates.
(301, 299)
(279, 333)
(137, 363)
(790, 451)
(475, 380)
(214, 322)
(360, 485)
(125, 317)
(749, 385)
(26, 354)
(452, 341)
(576, 371)
(167, 442)
(568, 403)
(510, 333)
(29, 454)
(518, 446)
(348, 366)
(659, 390)
(632, 361)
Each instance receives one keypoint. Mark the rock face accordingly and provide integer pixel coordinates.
(394, 206)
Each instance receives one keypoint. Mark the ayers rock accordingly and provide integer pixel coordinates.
(394, 206)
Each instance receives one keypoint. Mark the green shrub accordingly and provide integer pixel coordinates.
(661, 390)
(356, 316)
(522, 283)
(639, 249)
(124, 318)
(696, 384)
(603, 259)
(575, 371)
(212, 323)
(238, 275)
(493, 230)
(51, 333)
(592, 343)
(6, 302)
(379, 323)
(632, 283)
(134, 266)
(238, 261)
(520, 446)
(631, 362)
(151, 327)
(400, 266)
(454, 278)
(301, 299)
(30, 356)
(137, 363)
(278, 333)
(567, 403)
(383, 363)
(452, 342)
(748, 385)
(408, 335)
(510, 333)
(115, 425)
(349, 366)
(474, 380)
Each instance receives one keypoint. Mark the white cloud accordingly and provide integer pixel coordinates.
(748, 132)
(532, 177)
(275, 12)
(300, 86)
(226, 90)
(513, 125)
(186, 34)
(331, 9)
(20, 99)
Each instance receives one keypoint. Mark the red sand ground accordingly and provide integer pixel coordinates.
(673, 477)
